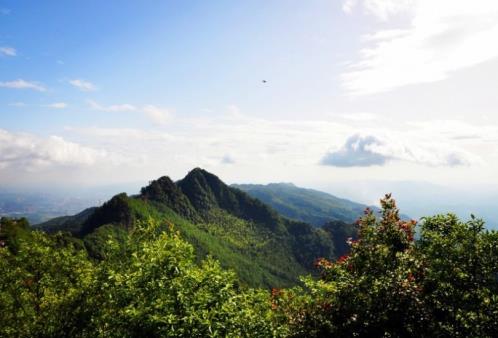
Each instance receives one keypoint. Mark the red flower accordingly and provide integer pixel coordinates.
(342, 259)
(275, 293)
(322, 263)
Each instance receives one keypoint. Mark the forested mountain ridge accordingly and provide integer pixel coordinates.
(243, 233)
(148, 282)
(307, 205)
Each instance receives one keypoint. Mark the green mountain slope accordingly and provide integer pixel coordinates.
(244, 234)
(66, 223)
(307, 205)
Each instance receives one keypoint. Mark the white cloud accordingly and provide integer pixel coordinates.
(442, 37)
(358, 151)
(234, 111)
(382, 9)
(112, 108)
(227, 159)
(349, 5)
(266, 150)
(26, 152)
(22, 84)
(122, 134)
(359, 117)
(367, 150)
(57, 105)
(83, 85)
(158, 115)
(8, 51)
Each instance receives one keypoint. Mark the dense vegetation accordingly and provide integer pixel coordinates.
(264, 248)
(444, 284)
(149, 283)
(306, 205)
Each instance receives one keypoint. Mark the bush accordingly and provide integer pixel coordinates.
(443, 285)
(146, 285)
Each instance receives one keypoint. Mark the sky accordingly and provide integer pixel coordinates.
(111, 92)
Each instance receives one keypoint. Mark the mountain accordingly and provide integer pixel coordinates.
(66, 223)
(243, 233)
(306, 205)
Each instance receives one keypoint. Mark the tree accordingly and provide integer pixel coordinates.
(148, 284)
(158, 290)
(44, 289)
(444, 284)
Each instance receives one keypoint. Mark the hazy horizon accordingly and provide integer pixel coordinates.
(319, 93)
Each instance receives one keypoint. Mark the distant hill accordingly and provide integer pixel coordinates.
(66, 223)
(243, 233)
(306, 205)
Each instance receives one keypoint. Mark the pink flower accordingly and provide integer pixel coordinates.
(342, 259)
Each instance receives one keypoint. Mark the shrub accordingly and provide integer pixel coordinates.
(444, 284)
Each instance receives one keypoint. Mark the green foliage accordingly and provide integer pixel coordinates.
(241, 232)
(43, 289)
(251, 257)
(309, 243)
(114, 211)
(148, 282)
(305, 205)
(148, 285)
(96, 242)
(206, 192)
(12, 231)
(161, 292)
(444, 285)
(66, 223)
(340, 232)
(460, 276)
(165, 192)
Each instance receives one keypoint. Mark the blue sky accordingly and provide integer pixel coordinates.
(185, 56)
(98, 92)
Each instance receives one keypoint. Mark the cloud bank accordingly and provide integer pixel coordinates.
(358, 151)
(26, 152)
(442, 37)
(369, 150)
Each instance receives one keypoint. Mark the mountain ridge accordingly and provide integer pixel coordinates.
(245, 234)
(304, 204)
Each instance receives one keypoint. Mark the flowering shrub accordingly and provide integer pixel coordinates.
(445, 284)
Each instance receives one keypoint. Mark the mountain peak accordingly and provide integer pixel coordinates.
(282, 184)
(165, 191)
(199, 186)
(206, 191)
(199, 173)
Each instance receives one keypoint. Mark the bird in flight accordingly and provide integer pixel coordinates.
(264, 81)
